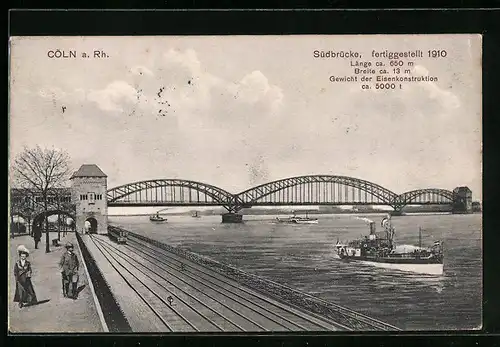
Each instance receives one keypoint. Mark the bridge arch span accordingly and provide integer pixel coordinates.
(318, 190)
(16, 214)
(93, 224)
(422, 196)
(169, 192)
(39, 218)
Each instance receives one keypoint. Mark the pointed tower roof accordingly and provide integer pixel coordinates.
(88, 170)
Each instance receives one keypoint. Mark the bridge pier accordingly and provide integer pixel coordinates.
(232, 217)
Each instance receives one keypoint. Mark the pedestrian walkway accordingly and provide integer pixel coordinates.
(53, 313)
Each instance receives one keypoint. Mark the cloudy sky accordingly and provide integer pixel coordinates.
(240, 111)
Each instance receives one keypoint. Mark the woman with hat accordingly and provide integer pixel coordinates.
(25, 294)
(69, 270)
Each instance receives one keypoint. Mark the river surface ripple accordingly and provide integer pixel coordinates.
(302, 257)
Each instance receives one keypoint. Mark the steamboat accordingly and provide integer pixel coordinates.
(157, 218)
(297, 219)
(379, 249)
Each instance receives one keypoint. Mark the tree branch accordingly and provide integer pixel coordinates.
(41, 169)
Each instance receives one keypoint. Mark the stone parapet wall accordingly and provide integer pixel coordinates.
(113, 315)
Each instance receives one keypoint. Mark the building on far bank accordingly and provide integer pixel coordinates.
(476, 206)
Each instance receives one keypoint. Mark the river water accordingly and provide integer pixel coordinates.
(302, 256)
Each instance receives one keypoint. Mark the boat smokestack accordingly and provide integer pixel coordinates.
(373, 228)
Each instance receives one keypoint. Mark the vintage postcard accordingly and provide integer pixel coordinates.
(198, 184)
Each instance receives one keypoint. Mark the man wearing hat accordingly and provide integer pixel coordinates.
(25, 294)
(69, 266)
(37, 235)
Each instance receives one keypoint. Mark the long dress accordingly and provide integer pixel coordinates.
(25, 293)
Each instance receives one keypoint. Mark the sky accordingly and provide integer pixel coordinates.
(236, 112)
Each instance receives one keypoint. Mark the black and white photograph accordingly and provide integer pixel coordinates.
(245, 184)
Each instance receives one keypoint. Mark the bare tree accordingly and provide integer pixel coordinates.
(42, 170)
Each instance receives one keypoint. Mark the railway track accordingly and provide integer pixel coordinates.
(202, 300)
(351, 319)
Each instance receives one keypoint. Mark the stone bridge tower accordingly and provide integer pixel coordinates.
(462, 200)
(88, 193)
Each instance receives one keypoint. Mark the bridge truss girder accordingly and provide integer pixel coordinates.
(424, 196)
(382, 195)
(254, 196)
(118, 196)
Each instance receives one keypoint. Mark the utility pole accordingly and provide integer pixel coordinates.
(419, 237)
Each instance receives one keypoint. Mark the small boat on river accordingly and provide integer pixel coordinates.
(195, 214)
(297, 219)
(380, 250)
(157, 218)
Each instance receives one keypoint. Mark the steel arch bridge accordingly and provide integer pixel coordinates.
(301, 190)
(426, 196)
(318, 190)
(170, 192)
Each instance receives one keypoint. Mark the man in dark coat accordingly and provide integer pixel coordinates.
(25, 294)
(37, 235)
(69, 266)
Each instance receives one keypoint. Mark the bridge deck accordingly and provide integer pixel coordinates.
(142, 277)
